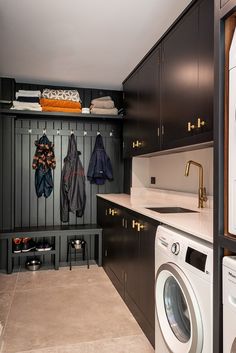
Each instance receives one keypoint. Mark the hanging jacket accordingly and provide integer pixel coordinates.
(100, 167)
(43, 163)
(73, 196)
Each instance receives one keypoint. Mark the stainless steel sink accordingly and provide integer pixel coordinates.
(171, 210)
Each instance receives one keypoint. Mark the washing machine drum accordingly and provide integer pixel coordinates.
(177, 311)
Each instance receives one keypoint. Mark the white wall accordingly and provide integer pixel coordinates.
(169, 171)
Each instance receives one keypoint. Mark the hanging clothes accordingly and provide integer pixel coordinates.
(73, 196)
(43, 163)
(100, 168)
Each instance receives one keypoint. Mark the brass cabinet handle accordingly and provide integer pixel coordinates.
(134, 223)
(109, 211)
(139, 227)
(200, 123)
(113, 212)
(190, 126)
(137, 144)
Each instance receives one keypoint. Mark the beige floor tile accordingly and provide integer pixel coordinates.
(7, 282)
(55, 316)
(5, 304)
(128, 344)
(61, 278)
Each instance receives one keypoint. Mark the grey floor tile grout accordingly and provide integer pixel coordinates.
(10, 306)
(52, 346)
(79, 344)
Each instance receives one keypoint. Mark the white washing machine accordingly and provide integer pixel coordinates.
(229, 304)
(183, 292)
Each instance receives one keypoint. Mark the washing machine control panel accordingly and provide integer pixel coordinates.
(175, 248)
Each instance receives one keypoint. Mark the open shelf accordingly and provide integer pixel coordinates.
(33, 253)
(59, 114)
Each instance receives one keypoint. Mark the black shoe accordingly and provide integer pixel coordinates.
(39, 246)
(17, 245)
(47, 246)
(27, 244)
(43, 246)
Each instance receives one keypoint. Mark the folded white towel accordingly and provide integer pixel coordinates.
(35, 109)
(23, 104)
(27, 93)
(26, 106)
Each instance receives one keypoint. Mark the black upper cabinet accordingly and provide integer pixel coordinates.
(169, 97)
(130, 129)
(179, 84)
(187, 79)
(142, 102)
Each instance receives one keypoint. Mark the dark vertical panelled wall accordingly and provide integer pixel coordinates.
(19, 204)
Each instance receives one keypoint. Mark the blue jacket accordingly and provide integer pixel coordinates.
(100, 168)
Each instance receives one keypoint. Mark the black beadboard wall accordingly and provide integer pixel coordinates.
(18, 201)
(33, 211)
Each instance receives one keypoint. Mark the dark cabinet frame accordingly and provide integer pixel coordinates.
(222, 244)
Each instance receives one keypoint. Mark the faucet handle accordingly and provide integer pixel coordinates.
(204, 196)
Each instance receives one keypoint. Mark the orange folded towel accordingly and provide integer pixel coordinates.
(59, 109)
(45, 102)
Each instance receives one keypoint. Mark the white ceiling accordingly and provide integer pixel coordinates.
(84, 43)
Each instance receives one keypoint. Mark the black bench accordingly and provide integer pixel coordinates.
(49, 231)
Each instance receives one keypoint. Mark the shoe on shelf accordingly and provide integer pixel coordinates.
(28, 244)
(17, 245)
(39, 246)
(47, 246)
(43, 246)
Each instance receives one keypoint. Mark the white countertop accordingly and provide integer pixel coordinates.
(199, 224)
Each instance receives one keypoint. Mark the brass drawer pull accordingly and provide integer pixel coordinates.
(200, 123)
(191, 126)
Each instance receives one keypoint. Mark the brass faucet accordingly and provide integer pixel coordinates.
(201, 189)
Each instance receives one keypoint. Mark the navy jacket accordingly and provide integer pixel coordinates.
(100, 168)
(73, 196)
(43, 162)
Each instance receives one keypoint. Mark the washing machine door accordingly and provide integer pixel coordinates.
(233, 348)
(177, 311)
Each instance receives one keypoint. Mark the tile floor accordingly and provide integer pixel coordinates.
(64, 311)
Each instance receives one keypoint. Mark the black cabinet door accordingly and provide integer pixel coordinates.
(187, 79)
(139, 265)
(130, 126)
(179, 83)
(206, 65)
(149, 104)
(142, 101)
(131, 262)
(147, 277)
(110, 217)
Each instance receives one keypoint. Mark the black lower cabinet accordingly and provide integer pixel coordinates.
(129, 260)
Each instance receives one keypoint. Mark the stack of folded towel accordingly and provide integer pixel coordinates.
(27, 100)
(60, 100)
(104, 106)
